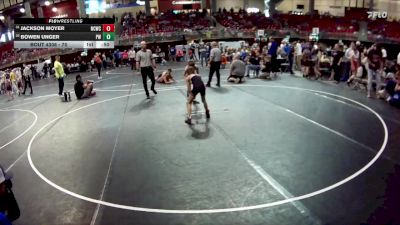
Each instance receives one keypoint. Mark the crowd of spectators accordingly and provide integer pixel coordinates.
(141, 24)
(326, 23)
(242, 20)
(384, 28)
(361, 66)
(14, 56)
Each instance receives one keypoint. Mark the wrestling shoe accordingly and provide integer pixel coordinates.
(188, 121)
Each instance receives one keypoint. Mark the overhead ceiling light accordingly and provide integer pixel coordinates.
(46, 3)
(54, 9)
(2, 17)
(185, 2)
(22, 10)
(253, 10)
(140, 2)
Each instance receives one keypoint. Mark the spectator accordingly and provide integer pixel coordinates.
(224, 61)
(253, 64)
(117, 57)
(132, 56)
(203, 54)
(336, 62)
(46, 71)
(125, 57)
(184, 51)
(215, 64)
(273, 52)
(13, 78)
(83, 89)
(104, 60)
(346, 63)
(172, 53)
(384, 54)
(193, 50)
(316, 55)
(398, 60)
(325, 58)
(375, 67)
(307, 63)
(243, 55)
(361, 73)
(237, 71)
(299, 53)
(8, 85)
(158, 50)
(179, 56)
(289, 49)
(99, 63)
(354, 57)
(19, 80)
(266, 66)
(191, 55)
(393, 90)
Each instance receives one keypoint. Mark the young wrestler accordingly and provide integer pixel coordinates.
(195, 85)
(192, 64)
(166, 77)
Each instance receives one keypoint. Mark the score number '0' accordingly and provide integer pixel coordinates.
(108, 27)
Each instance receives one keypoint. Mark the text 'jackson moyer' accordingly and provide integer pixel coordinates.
(40, 28)
(42, 37)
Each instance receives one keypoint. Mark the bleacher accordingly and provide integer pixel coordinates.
(165, 22)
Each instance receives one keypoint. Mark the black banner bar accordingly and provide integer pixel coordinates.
(63, 21)
(57, 36)
(58, 28)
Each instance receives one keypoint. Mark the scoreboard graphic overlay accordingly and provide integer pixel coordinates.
(86, 33)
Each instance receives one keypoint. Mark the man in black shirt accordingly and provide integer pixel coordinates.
(337, 60)
(375, 67)
(83, 90)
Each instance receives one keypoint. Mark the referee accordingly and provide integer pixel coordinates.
(146, 63)
(215, 63)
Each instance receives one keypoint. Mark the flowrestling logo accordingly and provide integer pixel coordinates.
(377, 14)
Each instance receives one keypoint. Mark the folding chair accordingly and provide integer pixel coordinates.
(284, 67)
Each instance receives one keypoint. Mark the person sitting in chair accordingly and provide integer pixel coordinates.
(254, 64)
(393, 90)
(238, 69)
(266, 66)
(83, 89)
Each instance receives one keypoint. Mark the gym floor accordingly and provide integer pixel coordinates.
(285, 151)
